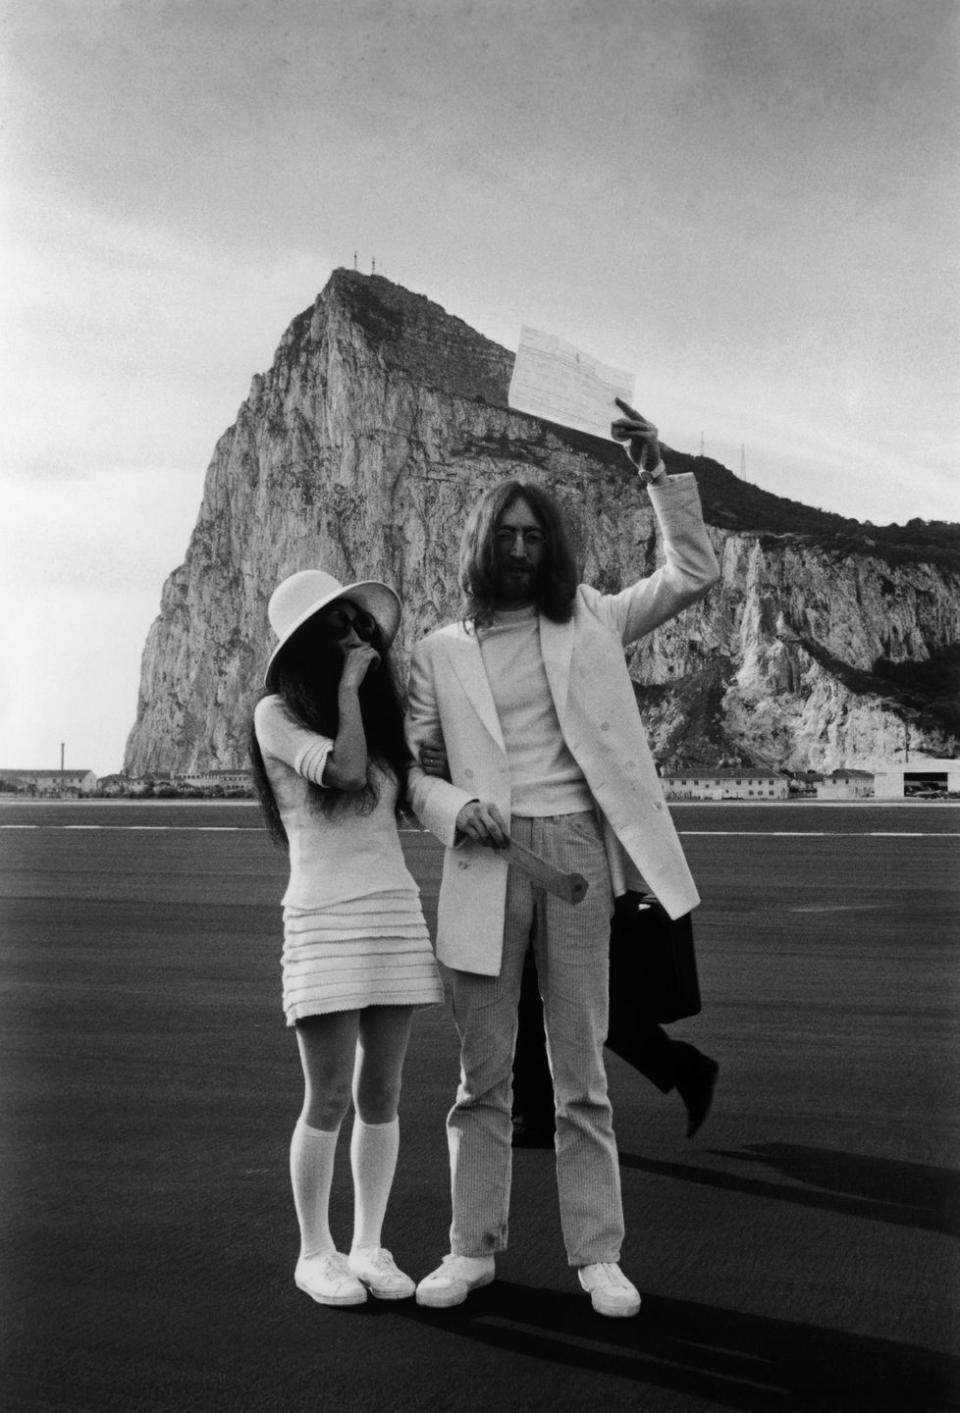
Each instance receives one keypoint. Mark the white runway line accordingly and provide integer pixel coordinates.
(147, 828)
(687, 833)
(830, 833)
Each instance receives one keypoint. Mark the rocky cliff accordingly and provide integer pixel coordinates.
(379, 423)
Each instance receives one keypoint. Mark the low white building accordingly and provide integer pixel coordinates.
(846, 785)
(52, 782)
(915, 777)
(225, 779)
(748, 782)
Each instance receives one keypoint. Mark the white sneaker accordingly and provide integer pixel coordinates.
(328, 1280)
(609, 1290)
(453, 1280)
(376, 1268)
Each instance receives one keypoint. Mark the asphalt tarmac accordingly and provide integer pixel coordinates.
(798, 1256)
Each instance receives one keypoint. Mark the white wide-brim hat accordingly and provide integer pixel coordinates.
(309, 590)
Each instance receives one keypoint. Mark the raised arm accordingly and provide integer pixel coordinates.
(346, 767)
(690, 567)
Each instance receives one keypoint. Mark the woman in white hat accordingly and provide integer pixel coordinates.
(330, 762)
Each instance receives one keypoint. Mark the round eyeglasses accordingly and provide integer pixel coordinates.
(532, 539)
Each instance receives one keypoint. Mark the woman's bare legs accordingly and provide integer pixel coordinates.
(346, 1054)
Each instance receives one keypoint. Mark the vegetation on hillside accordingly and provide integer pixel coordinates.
(931, 687)
(734, 504)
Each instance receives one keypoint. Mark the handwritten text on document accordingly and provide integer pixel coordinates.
(560, 383)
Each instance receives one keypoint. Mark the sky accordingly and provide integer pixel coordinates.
(750, 203)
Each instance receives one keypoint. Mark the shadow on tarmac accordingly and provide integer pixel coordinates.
(877, 1189)
(739, 1361)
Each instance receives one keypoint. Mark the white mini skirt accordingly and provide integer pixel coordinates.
(370, 951)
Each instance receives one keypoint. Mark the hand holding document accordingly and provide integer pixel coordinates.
(560, 383)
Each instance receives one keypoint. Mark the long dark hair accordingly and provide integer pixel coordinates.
(306, 677)
(556, 583)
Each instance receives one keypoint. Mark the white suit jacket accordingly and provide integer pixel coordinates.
(450, 697)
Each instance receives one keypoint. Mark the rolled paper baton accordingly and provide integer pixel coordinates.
(571, 887)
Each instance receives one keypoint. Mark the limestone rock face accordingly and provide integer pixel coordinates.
(776, 664)
(361, 451)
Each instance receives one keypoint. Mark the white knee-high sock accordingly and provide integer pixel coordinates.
(312, 1151)
(373, 1160)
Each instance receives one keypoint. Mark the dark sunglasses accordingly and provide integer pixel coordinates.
(339, 623)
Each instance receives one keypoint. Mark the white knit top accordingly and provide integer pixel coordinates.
(332, 858)
(544, 777)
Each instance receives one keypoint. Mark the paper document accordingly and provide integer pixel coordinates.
(554, 380)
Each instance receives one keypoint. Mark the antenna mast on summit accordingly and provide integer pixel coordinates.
(354, 259)
(743, 461)
(373, 267)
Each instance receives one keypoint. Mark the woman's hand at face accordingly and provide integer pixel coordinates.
(357, 662)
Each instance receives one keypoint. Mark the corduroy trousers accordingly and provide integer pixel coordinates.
(572, 947)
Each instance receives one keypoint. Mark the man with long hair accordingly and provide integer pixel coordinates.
(529, 695)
